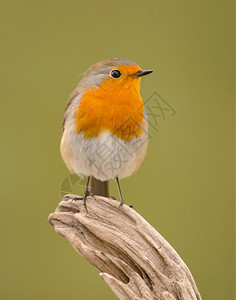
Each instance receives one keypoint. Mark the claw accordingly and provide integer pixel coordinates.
(121, 202)
(71, 199)
(86, 194)
(77, 198)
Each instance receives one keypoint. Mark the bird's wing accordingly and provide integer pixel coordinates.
(76, 94)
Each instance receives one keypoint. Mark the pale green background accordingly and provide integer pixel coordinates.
(185, 185)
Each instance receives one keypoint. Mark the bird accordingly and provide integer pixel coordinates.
(105, 126)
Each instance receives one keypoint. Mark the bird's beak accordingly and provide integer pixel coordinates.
(142, 73)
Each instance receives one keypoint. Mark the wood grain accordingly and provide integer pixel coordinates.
(134, 259)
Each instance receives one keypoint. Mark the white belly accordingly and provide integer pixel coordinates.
(104, 157)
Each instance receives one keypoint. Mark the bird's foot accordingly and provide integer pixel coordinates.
(72, 198)
(86, 194)
(76, 198)
(121, 202)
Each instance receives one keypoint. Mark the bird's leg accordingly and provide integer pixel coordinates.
(86, 193)
(121, 197)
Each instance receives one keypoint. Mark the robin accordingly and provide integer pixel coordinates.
(105, 126)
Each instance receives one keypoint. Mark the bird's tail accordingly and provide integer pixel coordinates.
(100, 188)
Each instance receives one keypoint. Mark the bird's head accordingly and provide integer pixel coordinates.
(106, 97)
(113, 73)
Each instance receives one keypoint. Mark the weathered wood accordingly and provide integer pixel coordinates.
(135, 260)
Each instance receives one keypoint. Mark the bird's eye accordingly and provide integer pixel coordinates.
(115, 73)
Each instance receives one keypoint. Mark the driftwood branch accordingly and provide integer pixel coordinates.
(135, 260)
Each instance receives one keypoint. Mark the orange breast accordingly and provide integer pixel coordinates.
(114, 106)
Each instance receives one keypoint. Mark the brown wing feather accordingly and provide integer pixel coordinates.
(68, 104)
